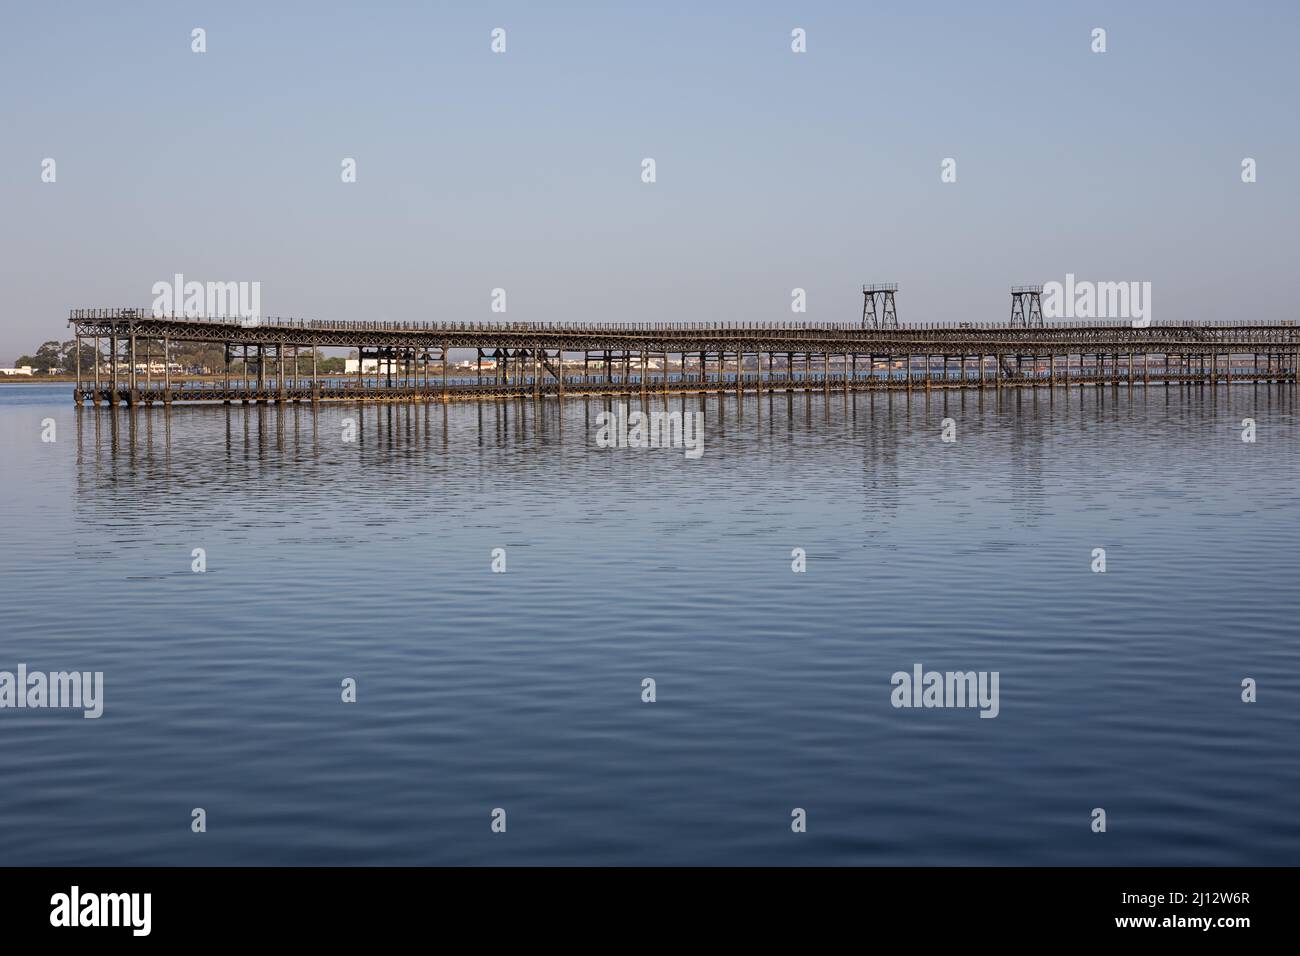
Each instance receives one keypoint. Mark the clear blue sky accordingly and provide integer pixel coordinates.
(522, 170)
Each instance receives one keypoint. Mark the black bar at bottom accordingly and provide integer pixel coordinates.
(341, 904)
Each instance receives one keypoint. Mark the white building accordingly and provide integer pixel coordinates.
(153, 368)
(371, 366)
(21, 370)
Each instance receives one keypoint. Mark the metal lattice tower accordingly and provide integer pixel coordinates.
(878, 309)
(1033, 319)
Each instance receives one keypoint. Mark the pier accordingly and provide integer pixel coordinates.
(411, 361)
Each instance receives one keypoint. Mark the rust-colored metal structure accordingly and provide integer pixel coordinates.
(413, 360)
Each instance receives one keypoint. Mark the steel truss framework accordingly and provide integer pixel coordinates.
(878, 308)
(533, 357)
(1033, 316)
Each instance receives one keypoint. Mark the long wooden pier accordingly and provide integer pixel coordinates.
(412, 361)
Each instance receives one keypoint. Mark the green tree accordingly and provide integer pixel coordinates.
(304, 361)
(48, 357)
(69, 358)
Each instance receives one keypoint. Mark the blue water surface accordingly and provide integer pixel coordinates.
(372, 559)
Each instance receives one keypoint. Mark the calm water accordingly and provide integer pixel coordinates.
(522, 690)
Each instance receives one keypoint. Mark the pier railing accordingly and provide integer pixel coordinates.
(738, 326)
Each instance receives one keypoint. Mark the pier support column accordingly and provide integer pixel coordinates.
(446, 348)
(167, 370)
(133, 392)
(225, 373)
(76, 391)
(282, 379)
(95, 398)
(112, 366)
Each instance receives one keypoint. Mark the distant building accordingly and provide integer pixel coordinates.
(157, 368)
(21, 370)
(371, 366)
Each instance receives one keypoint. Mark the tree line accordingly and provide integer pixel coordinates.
(60, 358)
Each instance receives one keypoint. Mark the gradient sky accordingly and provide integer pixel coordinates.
(522, 170)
